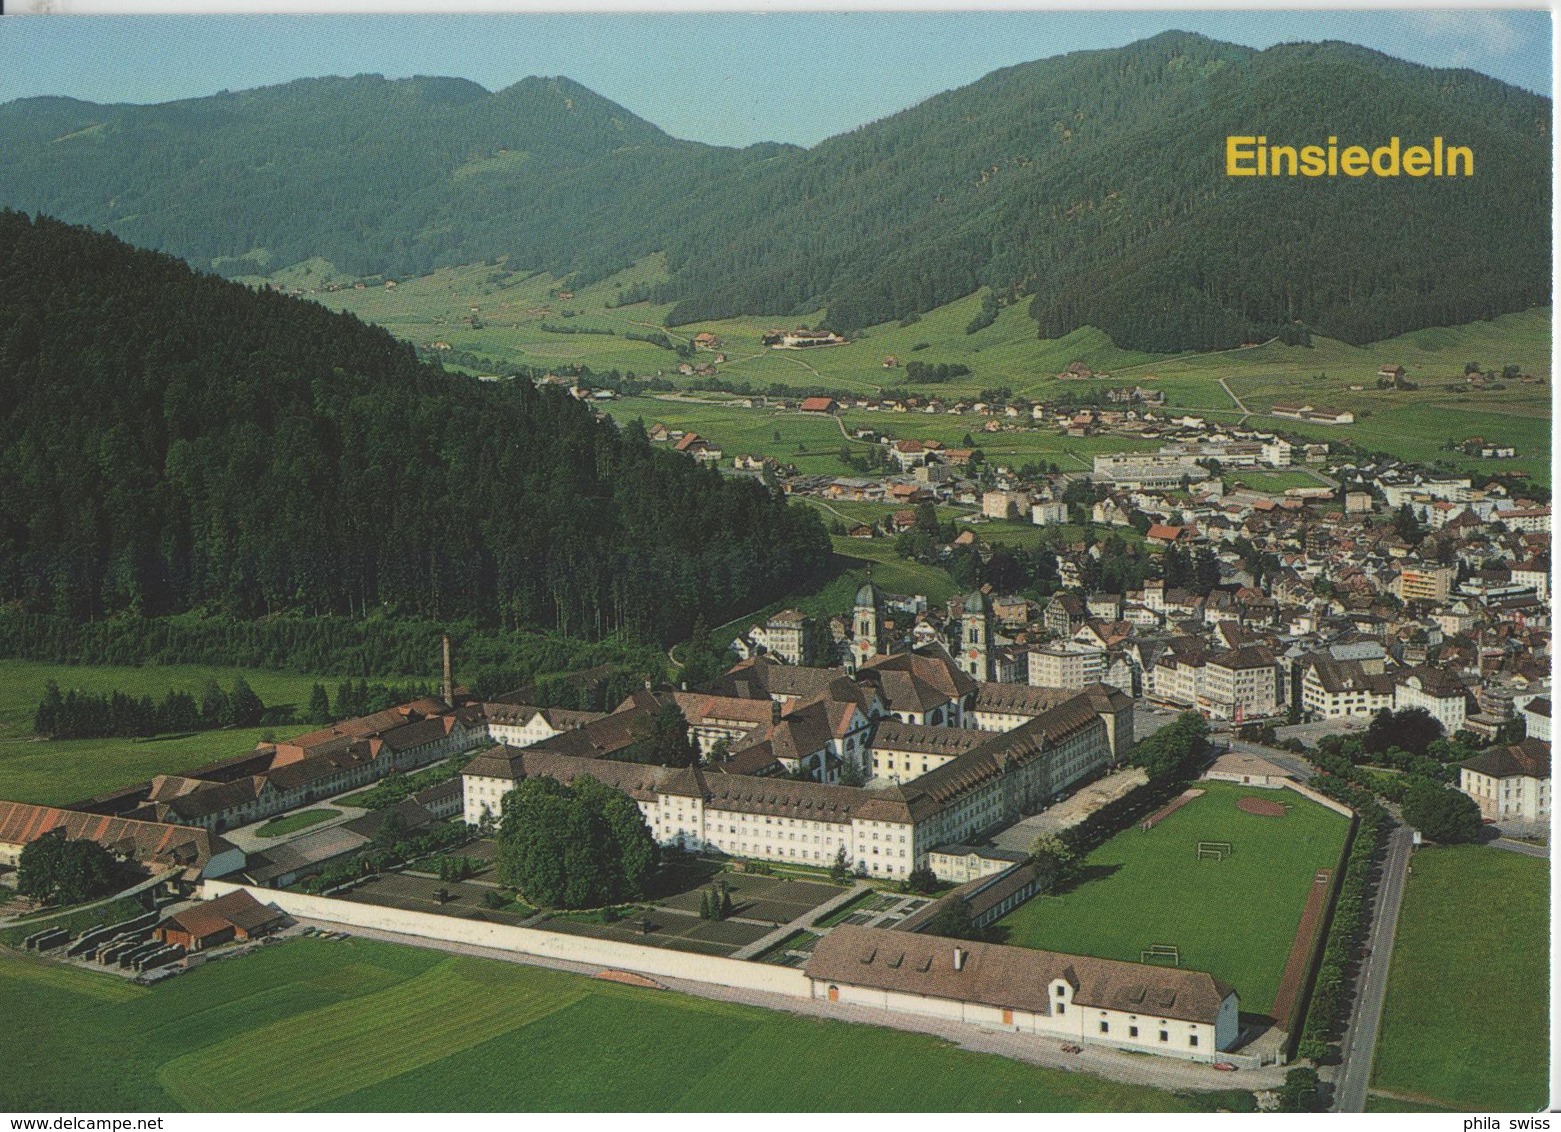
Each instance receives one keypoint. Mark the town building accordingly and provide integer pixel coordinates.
(1066, 664)
(1510, 783)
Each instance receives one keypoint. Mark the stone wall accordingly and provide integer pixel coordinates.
(529, 941)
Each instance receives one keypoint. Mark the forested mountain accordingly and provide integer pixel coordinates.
(177, 441)
(1090, 186)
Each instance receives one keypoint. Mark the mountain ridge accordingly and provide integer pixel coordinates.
(1086, 185)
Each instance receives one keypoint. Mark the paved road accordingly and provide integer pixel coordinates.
(1542, 851)
(1360, 1037)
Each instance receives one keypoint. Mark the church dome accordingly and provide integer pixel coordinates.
(869, 596)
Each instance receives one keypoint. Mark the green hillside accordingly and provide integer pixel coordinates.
(1085, 190)
(175, 441)
(516, 308)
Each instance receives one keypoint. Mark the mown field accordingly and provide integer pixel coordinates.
(59, 771)
(514, 307)
(1234, 918)
(363, 1026)
(1466, 1020)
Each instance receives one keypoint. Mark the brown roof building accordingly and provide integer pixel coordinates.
(1132, 1005)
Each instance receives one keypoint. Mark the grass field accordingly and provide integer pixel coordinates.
(358, 1025)
(1234, 918)
(61, 771)
(514, 306)
(1471, 915)
(292, 823)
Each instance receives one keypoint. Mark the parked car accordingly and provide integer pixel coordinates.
(1224, 1067)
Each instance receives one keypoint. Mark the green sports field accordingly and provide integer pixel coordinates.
(359, 1025)
(1234, 918)
(1465, 1025)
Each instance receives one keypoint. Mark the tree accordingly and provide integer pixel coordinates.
(840, 871)
(58, 870)
(579, 846)
(953, 921)
(920, 879)
(1407, 524)
(1176, 750)
(244, 707)
(50, 714)
(1448, 817)
(319, 705)
(662, 739)
(704, 658)
(1299, 1092)
(1412, 730)
(1055, 859)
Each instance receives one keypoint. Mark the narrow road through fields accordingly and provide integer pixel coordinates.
(1360, 1037)
(1240, 404)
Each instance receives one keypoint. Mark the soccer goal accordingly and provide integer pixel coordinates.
(1214, 850)
(1161, 953)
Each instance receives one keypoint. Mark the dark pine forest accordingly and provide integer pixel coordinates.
(176, 442)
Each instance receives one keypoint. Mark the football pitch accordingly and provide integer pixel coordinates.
(358, 1025)
(1234, 918)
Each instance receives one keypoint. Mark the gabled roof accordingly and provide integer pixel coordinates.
(1528, 759)
(1018, 978)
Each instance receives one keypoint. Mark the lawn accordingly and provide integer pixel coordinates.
(1480, 915)
(1234, 918)
(364, 1026)
(292, 823)
(57, 772)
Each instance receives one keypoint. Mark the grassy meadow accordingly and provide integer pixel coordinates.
(1466, 1020)
(358, 1025)
(516, 307)
(1235, 918)
(58, 771)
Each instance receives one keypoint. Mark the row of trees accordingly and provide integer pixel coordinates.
(119, 715)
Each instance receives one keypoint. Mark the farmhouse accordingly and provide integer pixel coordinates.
(817, 405)
(236, 916)
(190, 853)
(1129, 1005)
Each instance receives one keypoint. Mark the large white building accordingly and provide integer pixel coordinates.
(884, 831)
(1437, 691)
(1133, 1006)
(1510, 783)
(1066, 664)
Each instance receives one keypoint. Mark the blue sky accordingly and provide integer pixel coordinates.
(725, 78)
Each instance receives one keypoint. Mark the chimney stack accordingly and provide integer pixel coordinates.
(959, 959)
(449, 690)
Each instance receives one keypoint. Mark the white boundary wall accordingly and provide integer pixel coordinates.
(1321, 799)
(530, 941)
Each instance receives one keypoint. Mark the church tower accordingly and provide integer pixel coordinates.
(866, 625)
(975, 636)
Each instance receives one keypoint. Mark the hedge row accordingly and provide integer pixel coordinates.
(1330, 990)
